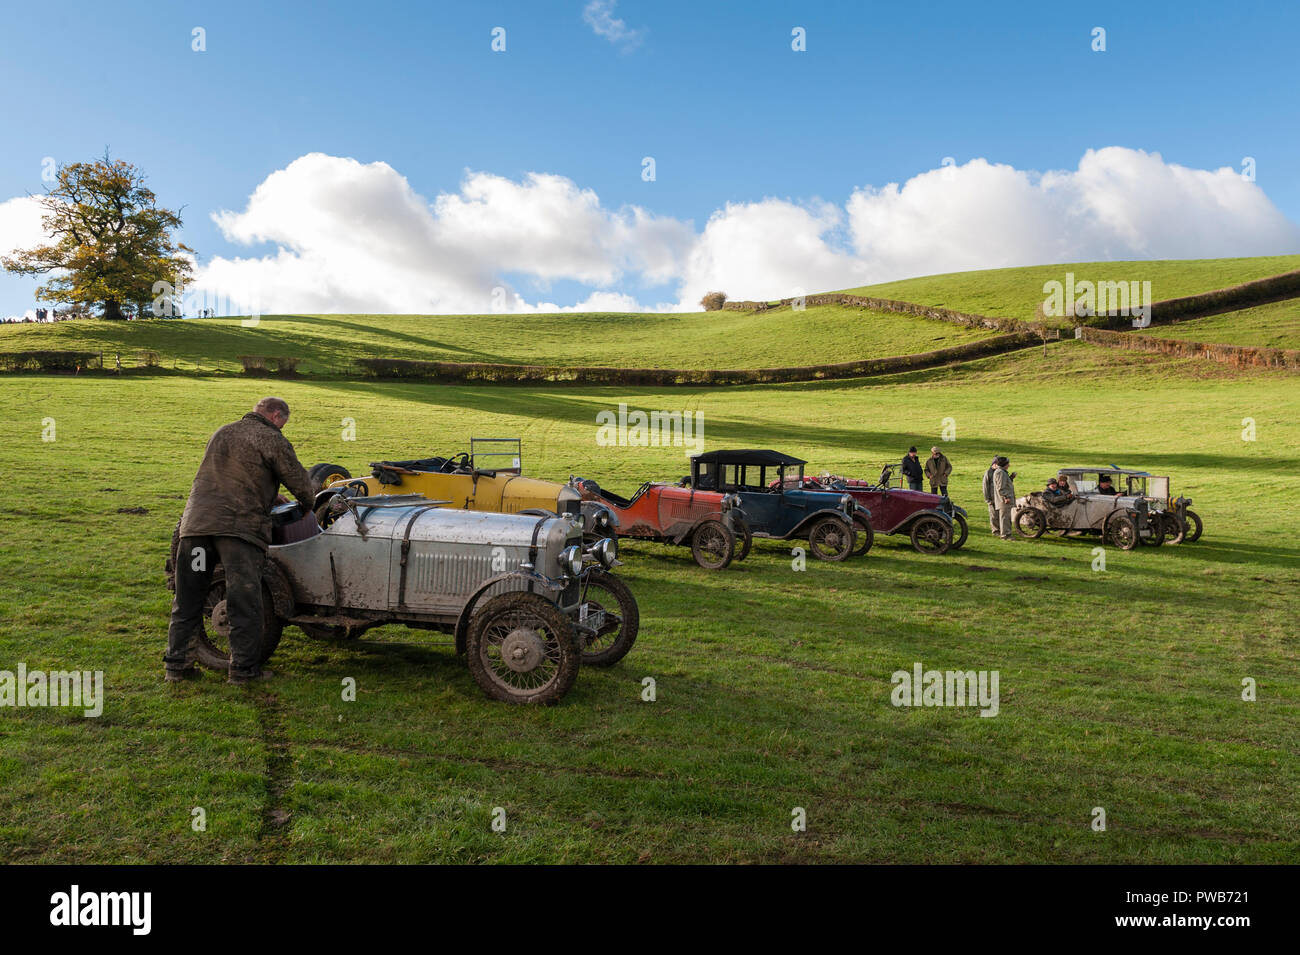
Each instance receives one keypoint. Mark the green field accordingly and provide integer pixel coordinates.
(1276, 325)
(1120, 688)
(1016, 293)
(644, 340)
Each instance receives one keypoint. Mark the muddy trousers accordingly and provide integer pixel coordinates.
(1004, 518)
(242, 562)
(993, 518)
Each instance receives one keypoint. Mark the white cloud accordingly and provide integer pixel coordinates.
(599, 15)
(1119, 204)
(20, 224)
(356, 237)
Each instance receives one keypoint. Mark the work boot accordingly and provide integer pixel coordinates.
(243, 679)
(191, 672)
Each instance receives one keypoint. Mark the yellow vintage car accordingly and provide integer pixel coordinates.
(488, 478)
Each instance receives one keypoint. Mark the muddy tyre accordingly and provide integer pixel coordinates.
(1122, 532)
(607, 594)
(1175, 529)
(960, 531)
(932, 536)
(831, 538)
(522, 649)
(713, 545)
(1030, 523)
(212, 643)
(743, 542)
(1194, 528)
(866, 536)
(326, 474)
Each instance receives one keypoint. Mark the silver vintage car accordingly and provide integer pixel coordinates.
(1112, 502)
(524, 598)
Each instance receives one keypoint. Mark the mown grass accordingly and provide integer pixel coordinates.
(1120, 689)
(1016, 293)
(725, 339)
(1269, 326)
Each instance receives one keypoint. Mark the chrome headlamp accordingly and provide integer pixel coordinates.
(846, 502)
(605, 551)
(571, 560)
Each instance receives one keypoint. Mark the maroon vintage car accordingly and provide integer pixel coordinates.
(708, 522)
(933, 522)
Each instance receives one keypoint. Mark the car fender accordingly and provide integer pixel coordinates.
(593, 512)
(277, 582)
(915, 516)
(467, 611)
(802, 527)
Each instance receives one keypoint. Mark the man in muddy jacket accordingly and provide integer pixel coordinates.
(937, 469)
(227, 521)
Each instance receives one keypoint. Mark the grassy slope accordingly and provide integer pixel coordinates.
(1273, 326)
(1119, 689)
(1016, 293)
(690, 340)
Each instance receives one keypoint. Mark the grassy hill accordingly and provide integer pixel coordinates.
(679, 340)
(1119, 688)
(1016, 293)
(1273, 326)
(697, 340)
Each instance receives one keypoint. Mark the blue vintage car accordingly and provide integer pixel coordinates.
(822, 518)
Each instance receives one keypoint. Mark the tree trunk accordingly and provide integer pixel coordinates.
(113, 310)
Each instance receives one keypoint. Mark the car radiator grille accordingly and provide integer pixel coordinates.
(450, 573)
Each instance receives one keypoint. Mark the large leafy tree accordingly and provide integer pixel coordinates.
(111, 241)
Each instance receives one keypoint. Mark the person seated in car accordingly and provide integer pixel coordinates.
(1055, 493)
(1104, 486)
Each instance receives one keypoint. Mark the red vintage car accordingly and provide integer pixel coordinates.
(933, 522)
(708, 522)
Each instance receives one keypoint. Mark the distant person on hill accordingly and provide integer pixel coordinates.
(938, 469)
(912, 469)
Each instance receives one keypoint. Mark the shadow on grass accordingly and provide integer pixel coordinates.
(550, 407)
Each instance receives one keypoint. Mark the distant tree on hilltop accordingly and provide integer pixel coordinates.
(112, 241)
(713, 301)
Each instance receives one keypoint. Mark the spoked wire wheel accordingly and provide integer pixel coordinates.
(831, 538)
(522, 649)
(713, 545)
(932, 536)
(608, 619)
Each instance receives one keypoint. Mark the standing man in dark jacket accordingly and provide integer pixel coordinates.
(227, 521)
(938, 469)
(912, 469)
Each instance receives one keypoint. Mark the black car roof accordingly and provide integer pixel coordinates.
(747, 456)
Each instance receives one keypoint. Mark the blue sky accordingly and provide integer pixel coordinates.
(713, 91)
